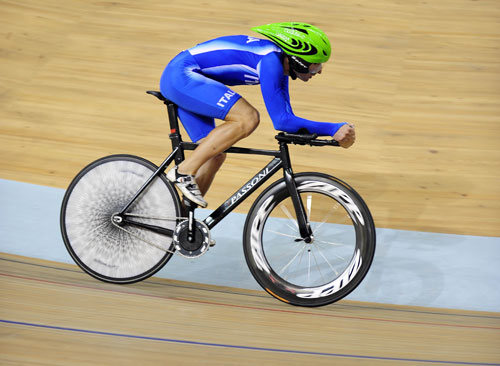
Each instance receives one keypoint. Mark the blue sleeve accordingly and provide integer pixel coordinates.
(274, 86)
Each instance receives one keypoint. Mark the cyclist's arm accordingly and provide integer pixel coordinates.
(274, 86)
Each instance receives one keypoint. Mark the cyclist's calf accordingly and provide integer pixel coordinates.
(207, 171)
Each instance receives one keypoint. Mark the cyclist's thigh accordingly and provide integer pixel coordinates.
(242, 111)
(196, 125)
(182, 83)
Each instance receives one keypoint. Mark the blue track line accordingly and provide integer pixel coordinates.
(220, 345)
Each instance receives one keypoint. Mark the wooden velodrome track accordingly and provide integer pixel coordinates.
(421, 81)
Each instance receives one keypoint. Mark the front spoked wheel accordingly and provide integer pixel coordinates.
(328, 268)
(113, 250)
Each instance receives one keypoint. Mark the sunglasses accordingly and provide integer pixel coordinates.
(317, 71)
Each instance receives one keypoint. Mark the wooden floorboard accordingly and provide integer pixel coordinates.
(421, 81)
(62, 315)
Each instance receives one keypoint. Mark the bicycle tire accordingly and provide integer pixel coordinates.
(343, 246)
(102, 249)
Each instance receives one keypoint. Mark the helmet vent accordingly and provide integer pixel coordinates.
(298, 29)
(298, 39)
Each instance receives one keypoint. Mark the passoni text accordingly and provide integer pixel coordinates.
(247, 187)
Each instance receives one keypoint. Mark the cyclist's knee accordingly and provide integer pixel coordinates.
(244, 116)
(251, 121)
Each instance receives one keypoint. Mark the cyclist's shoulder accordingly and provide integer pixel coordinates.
(238, 42)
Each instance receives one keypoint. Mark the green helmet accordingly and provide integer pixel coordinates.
(299, 39)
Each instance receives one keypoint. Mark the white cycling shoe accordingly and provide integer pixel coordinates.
(187, 185)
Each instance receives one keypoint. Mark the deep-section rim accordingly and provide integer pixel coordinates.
(279, 188)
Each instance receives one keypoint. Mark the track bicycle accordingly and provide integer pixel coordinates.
(308, 239)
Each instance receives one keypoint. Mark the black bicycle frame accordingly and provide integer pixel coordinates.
(281, 160)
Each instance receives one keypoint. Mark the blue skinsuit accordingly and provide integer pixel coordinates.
(196, 81)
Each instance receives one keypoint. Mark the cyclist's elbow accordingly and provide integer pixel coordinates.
(280, 124)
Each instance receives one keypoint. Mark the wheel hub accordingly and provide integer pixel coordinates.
(117, 219)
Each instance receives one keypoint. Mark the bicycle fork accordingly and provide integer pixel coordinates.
(302, 219)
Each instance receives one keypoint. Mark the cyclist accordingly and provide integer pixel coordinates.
(196, 80)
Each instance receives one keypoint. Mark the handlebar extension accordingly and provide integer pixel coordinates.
(304, 139)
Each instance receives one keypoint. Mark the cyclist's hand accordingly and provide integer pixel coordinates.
(346, 135)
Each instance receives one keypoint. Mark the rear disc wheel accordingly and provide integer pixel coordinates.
(102, 246)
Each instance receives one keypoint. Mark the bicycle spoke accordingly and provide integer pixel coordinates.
(329, 243)
(334, 254)
(283, 234)
(291, 261)
(302, 251)
(328, 262)
(309, 205)
(327, 216)
(317, 266)
(277, 257)
(309, 266)
(300, 259)
(289, 215)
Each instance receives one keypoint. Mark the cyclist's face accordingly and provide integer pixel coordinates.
(313, 70)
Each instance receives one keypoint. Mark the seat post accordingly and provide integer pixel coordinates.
(175, 136)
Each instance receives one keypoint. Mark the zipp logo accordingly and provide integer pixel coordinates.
(225, 98)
